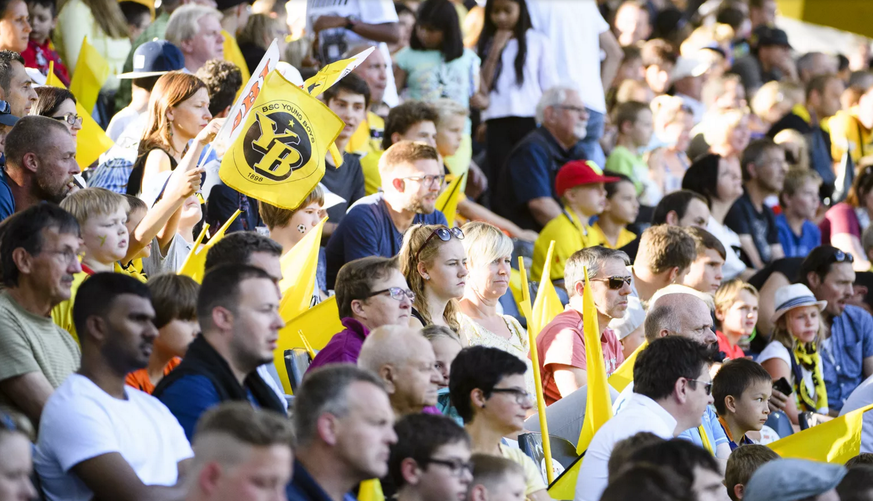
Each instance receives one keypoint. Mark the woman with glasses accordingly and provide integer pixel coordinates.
(433, 261)
(845, 222)
(16, 462)
(794, 352)
(489, 254)
(58, 104)
(178, 113)
(488, 389)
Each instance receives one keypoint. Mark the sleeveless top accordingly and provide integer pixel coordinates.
(518, 343)
(135, 182)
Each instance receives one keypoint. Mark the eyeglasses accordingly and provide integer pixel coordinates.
(521, 396)
(72, 119)
(397, 293)
(615, 283)
(707, 385)
(577, 109)
(68, 255)
(444, 234)
(427, 180)
(456, 466)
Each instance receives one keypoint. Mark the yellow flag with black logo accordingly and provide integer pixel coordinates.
(279, 155)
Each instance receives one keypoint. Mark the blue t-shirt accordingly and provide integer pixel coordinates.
(189, 397)
(797, 245)
(368, 230)
(7, 203)
(843, 354)
(714, 432)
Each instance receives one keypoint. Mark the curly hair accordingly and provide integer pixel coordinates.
(223, 80)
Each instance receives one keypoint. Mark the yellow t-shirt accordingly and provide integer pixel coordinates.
(62, 314)
(596, 237)
(532, 476)
(847, 130)
(370, 167)
(569, 235)
(368, 138)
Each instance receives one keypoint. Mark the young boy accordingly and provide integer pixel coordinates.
(635, 128)
(430, 461)
(741, 391)
(174, 298)
(496, 479)
(580, 185)
(800, 201)
(742, 464)
(43, 18)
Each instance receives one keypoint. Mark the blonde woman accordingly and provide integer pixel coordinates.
(727, 134)
(105, 26)
(432, 260)
(793, 350)
(489, 254)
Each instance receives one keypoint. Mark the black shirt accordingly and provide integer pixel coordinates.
(745, 219)
(346, 181)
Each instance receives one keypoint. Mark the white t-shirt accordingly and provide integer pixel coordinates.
(574, 28)
(127, 143)
(775, 349)
(80, 422)
(120, 122)
(508, 99)
(172, 262)
(733, 265)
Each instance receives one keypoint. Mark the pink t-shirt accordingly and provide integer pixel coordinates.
(562, 342)
(840, 218)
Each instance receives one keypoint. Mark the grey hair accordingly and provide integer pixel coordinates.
(554, 96)
(808, 60)
(660, 317)
(593, 258)
(325, 391)
(183, 25)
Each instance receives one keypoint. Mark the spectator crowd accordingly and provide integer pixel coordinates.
(709, 185)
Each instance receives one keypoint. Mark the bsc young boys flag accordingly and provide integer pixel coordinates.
(90, 74)
(279, 154)
(92, 141)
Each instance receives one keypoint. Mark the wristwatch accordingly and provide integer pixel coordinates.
(350, 24)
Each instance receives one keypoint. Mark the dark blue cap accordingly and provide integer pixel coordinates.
(155, 58)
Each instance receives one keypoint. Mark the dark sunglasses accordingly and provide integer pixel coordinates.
(707, 385)
(615, 283)
(837, 257)
(444, 234)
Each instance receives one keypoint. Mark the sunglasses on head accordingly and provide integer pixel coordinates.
(444, 234)
(614, 283)
(837, 257)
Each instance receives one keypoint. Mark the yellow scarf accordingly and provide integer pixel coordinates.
(806, 356)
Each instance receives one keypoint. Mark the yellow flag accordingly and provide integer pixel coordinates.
(90, 74)
(298, 274)
(91, 141)
(371, 490)
(836, 441)
(565, 485)
(195, 264)
(624, 375)
(318, 324)
(333, 73)
(280, 153)
(598, 407)
(233, 55)
(547, 304)
(447, 202)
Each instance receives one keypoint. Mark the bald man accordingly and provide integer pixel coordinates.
(678, 310)
(405, 361)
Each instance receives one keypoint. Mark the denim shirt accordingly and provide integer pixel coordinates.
(843, 354)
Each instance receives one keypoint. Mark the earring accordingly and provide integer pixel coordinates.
(301, 228)
(170, 129)
(427, 277)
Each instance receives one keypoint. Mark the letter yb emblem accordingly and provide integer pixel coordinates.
(276, 144)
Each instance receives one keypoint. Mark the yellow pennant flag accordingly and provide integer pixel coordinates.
(624, 375)
(234, 55)
(279, 155)
(371, 490)
(90, 74)
(598, 407)
(447, 202)
(195, 264)
(547, 304)
(91, 141)
(317, 325)
(298, 274)
(835, 441)
(334, 72)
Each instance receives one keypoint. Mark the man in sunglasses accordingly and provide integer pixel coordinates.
(847, 350)
(561, 344)
(370, 292)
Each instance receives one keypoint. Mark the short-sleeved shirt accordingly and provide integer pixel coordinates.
(847, 133)
(776, 350)
(346, 181)
(745, 219)
(632, 165)
(562, 341)
(843, 354)
(80, 421)
(533, 479)
(140, 380)
(724, 346)
(596, 235)
(841, 218)
(430, 77)
(32, 343)
(570, 235)
(368, 230)
(529, 173)
(334, 42)
(797, 245)
(172, 261)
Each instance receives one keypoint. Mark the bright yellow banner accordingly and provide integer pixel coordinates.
(836, 441)
(318, 324)
(547, 304)
(598, 407)
(447, 202)
(195, 264)
(279, 156)
(298, 274)
(624, 375)
(90, 74)
(333, 73)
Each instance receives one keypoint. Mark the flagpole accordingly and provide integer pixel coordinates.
(538, 380)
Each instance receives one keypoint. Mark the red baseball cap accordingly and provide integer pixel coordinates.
(579, 172)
